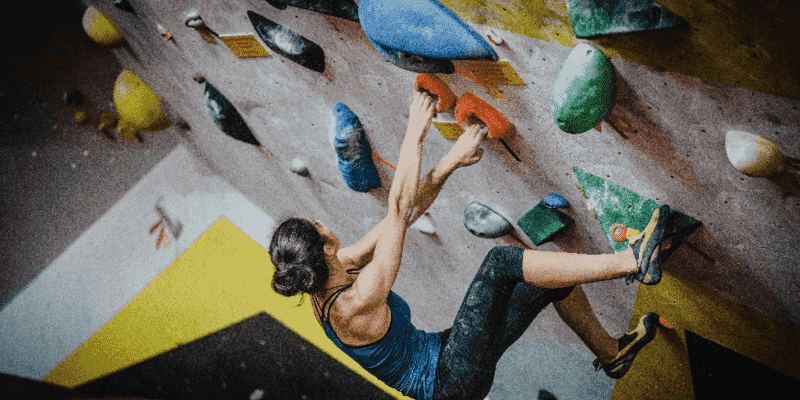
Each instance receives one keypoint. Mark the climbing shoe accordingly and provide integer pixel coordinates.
(643, 247)
(629, 346)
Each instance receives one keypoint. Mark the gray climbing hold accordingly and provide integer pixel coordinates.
(192, 19)
(484, 222)
(299, 167)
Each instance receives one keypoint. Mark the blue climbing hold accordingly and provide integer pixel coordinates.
(555, 200)
(353, 150)
(226, 117)
(422, 27)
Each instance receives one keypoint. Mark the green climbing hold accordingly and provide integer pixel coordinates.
(584, 90)
(541, 223)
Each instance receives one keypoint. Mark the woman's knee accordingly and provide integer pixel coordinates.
(504, 261)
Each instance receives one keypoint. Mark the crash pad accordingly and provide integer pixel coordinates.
(288, 44)
(613, 204)
(584, 90)
(338, 8)
(423, 27)
(227, 117)
(592, 18)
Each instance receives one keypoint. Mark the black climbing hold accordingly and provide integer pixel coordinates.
(413, 62)
(123, 5)
(227, 117)
(289, 44)
(72, 97)
(338, 8)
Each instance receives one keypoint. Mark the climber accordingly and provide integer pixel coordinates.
(350, 287)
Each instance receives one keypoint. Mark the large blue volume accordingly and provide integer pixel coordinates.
(353, 150)
(422, 27)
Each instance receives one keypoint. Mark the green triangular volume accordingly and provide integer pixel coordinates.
(591, 18)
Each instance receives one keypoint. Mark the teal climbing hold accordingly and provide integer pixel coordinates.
(541, 223)
(484, 222)
(338, 8)
(227, 117)
(592, 18)
(422, 27)
(584, 90)
(288, 44)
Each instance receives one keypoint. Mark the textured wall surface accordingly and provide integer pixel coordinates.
(664, 139)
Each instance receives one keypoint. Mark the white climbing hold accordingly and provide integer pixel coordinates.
(192, 19)
(85, 153)
(299, 167)
(424, 225)
(493, 36)
(33, 154)
(258, 394)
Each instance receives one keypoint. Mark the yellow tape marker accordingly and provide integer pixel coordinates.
(244, 46)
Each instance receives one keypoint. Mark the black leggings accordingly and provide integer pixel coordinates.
(497, 309)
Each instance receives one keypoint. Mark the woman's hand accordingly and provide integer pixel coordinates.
(467, 150)
(421, 114)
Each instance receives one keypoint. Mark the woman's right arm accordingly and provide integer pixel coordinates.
(374, 282)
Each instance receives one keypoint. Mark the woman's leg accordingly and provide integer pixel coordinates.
(496, 311)
(577, 313)
(549, 269)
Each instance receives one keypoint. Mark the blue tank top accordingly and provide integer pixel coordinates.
(405, 358)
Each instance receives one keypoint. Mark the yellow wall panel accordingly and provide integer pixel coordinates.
(223, 278)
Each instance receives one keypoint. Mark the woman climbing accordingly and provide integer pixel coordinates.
(351, 287)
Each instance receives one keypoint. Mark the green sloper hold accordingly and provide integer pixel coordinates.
(584, 90)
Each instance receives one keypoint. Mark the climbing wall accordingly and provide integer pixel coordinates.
(677, 93)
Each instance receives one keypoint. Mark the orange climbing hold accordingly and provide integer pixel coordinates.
(619, 232)
(470, 105)
(664, 323)
(435, 86)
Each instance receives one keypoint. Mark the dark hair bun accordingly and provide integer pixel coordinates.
(297, 251)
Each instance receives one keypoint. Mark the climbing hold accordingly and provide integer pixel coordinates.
(289, 44)
(298, 167)
(192, 19)
(541, 223)
(753, 155)
(591, 18)
(81, 117)
(72, 97)
(353, 151)
(484, 222)
(123, 5)
(554, 200)
(108, 120)
(163, 32)
(199, 78)
(101, 28)
(493, 37)
(470, 105)
(413, 62)
(423, 27)
(424, 225)
(619, 232)
(126, 132)
(435, 86)
(227, 117)
(137, 104)
(584, 90)
(337, 8)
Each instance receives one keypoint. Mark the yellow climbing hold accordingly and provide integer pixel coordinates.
(101, 28)
(81, 117)
(138, 105)
(108, 120)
